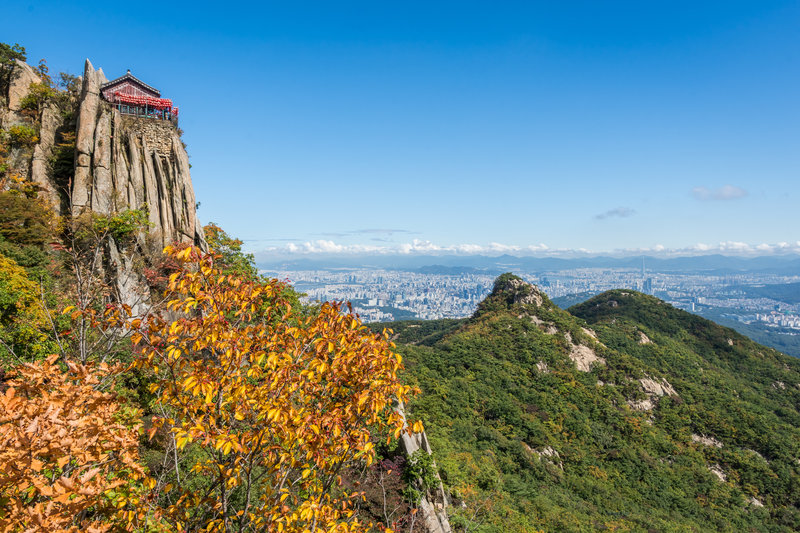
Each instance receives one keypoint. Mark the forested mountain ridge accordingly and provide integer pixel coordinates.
(623, 413)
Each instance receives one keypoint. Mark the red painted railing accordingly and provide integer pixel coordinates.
(164, 104)
(159, 104)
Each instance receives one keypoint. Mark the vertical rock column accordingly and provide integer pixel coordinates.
(85, 140)
(433, 514)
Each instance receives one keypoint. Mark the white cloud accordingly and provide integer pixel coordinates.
(726, 192)
(323, 246)
(617, 212)
(425, 247)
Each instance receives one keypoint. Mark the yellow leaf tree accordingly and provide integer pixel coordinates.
(269, 407)
(22, 320)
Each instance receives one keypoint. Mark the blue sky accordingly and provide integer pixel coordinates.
(466, 126)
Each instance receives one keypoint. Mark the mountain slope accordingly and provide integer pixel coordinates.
(649, 421)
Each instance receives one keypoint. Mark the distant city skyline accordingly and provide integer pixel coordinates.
(534, 128)
(758, 297)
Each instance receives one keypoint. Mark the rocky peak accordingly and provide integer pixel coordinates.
(18, 87)
(510, 292)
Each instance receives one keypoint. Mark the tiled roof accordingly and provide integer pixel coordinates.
(130, 77)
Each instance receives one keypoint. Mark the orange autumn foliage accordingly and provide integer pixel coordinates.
(268, 407)
(67, 460)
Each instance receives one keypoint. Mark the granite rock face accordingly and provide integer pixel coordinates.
(123, 162)
(21, 80)
(40, 164)
(433, 505)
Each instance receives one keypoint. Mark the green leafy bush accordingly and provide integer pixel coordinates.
(419, 474)
(22, 136)
(9, 54)
(39, 94)
(123, 224)
(25, 220)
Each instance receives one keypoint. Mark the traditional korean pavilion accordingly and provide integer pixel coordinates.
(131, 96)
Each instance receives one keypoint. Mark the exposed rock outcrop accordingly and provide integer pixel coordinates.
(705, 440)
(433, 510)
(512, 292)
(548, 454)
(657, 388)
(124, 162)
(14, 87)
(755, 502)
(120, 163)
(653, 389)
(18, 88)
(717, 471)
(583, 356)
(40, 172)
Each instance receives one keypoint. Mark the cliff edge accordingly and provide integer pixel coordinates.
(124, 162)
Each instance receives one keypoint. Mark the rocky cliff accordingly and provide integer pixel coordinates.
(433, 503)
(123, 162)
(118, 163)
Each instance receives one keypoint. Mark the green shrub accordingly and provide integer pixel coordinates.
(39, 94)
(420, 476)
(123, 224)
(25, 220)
(9, 53)
(22, 136)
(8, 56)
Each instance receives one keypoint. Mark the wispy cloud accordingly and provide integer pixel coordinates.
(383, 231)
(726, 192)
(620, 212)
(368, 231)
(271, 240)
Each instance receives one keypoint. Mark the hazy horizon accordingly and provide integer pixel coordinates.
(319, 249)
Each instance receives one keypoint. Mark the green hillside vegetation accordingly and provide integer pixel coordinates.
(785, 340)
(525, 440)
(565, 302)
(783, 292)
